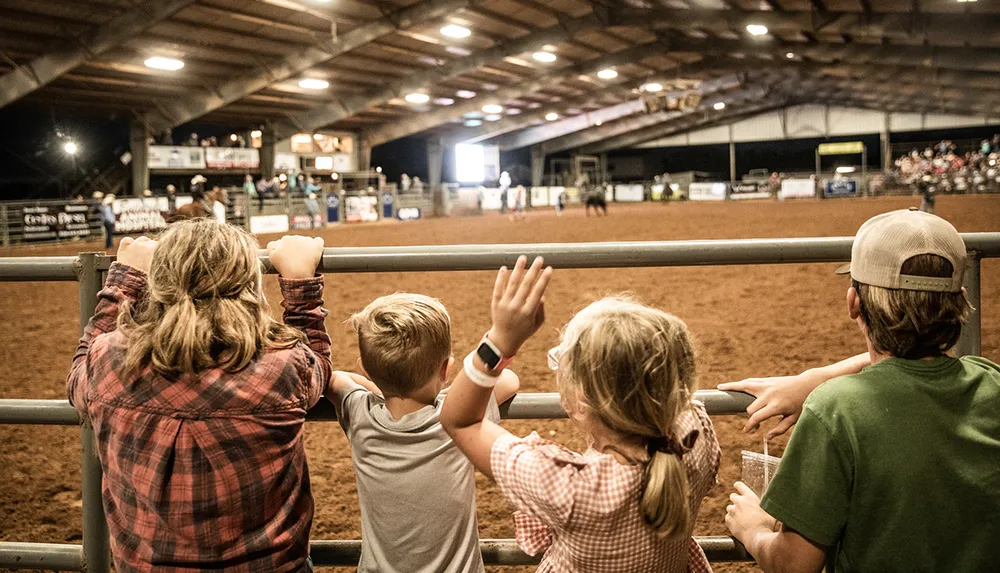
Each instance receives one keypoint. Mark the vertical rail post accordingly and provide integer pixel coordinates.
(970, 342)
(4, 226)
(96, 546)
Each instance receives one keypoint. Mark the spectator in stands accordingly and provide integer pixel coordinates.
(263, 190)
(418, 185)
(198, 185)
(193, 140)
(108, 219)
(171, 199)
(626, 377)
(312, 207)
(199, 398)
(220, 200)
(894, 453)
(311, 186)
(404, 183)
(416, 489)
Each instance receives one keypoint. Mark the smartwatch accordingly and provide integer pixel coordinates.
(491, 355)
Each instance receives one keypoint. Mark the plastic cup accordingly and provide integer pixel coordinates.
(758, 470)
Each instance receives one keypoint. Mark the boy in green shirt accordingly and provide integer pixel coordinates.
(896, 467)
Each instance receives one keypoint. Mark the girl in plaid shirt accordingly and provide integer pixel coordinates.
(198, 398)
(626, 377)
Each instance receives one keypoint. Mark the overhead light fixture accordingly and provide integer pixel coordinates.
(282, 177)
(544, 57)
(493, 117)
(335, 176)
(846, 169)
(465, 94)
(598, 123)
(160, 63)
(652, 87)
(756, 29)
(790, 55)
(313, 84)
(473, 122)
(492, 108)
(233, 137)
(551, 116)
(965, 1)
(70, 147)
(458, 51)
(444, 101)
(378, 169)
(455, 31)
(417, 97)
(513, 111)
(720, 105)
(473, 115)
(607, 74)
(301, 138)
(256, 133)
(318, 136)
(534, 105)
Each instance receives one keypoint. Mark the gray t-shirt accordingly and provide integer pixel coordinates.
(416, 489)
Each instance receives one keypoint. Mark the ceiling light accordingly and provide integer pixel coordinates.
(444, 101)
(719, 105)
(473, 115)
(314, 84)
(70, 147)
(513, 111)
(169, 64)
(455, 31)
(652, 87)
(545, 57)
(378, 170)
(335, 176)
(493, 117)
(534, 105)
(318, 136)
(232, 137)
(790, 55)
(473, 122)
(465, 94)
(458, 51)
(300, 138)
(492, 108)
(256, 133)
(598, 123)
(417, 97)
(846, 169)
(756, 29)
(551, 116)
(607, 74)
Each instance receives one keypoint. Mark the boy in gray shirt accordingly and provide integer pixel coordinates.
(416, 489)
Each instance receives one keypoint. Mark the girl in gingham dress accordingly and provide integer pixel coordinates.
(626, 377)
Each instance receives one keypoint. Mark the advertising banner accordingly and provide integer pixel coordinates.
(286, 162)
(408, 213)
(306, 222)
(540, 197)
(361, 208)
(176, 157)
(261, 224)
(232, 157)
(388, 205)
(707, 191)
(141, 214)
(797, 189)
(51, 222)
(629, 193)
(656, 191)
(840, 188)
(747, 191)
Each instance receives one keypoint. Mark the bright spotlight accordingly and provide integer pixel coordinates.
(417, 97)
(455, 31)
(168, 64)
(378, 170)
(790, 55)
(473, 122)
(318, 136)
(70, 147)
(256, 133)
(492, 108)
(465, 94)
(652, 87)
(313, 84)
(719, 105)
(233, 137)
(334, 176)
(551, 116)
(544, 57)
(756, 29)
(846, 169)
(607, 74)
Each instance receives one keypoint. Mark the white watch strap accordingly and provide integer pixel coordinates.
(478, 377)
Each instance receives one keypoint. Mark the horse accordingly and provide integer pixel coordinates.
(201, 207)
(596, 200)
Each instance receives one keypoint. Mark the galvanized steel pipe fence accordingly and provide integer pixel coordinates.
(89, 270)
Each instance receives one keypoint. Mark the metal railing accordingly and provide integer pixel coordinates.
(89, 270)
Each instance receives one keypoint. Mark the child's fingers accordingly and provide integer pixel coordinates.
(272, 246)
(538, 292)
(125, 243)
(760, 415)
(498, 285)
(786, 423)
(515, 277)
(529, 279)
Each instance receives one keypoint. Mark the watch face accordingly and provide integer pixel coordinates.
(488, 356)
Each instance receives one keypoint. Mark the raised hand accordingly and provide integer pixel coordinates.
(518, 304)
(136, 253)
(295, 256)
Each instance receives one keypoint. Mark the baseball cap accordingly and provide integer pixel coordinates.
(886, 241)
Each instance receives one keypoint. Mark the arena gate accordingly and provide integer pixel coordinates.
(89, 269)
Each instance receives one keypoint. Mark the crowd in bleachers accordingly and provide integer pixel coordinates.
(949, 169)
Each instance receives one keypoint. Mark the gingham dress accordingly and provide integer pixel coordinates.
(583, 510)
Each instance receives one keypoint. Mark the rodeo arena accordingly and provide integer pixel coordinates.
(674, 196)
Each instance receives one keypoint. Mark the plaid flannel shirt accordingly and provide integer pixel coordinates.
(583, 510)
(204, 472)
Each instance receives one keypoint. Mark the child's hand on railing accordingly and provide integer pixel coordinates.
(295, 256)
(518, 304)
(136, 253)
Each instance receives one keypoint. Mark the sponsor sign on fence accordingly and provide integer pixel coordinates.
(797, 189)
(707, 191)
(261, 224)
(408, 213)
(629, 193)
(361, 208)
(232, 157)
(747, 191)
(333, 208)
(840, 188)
(540, 197)
(306, 221)
(141, 214)
(176, 157)
(52, 222)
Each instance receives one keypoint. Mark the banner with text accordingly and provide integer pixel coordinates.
(797, 189)
(176, 157)
(840, 188)
(52, 222)
(747, 191)
(232, 157)
(707, 191)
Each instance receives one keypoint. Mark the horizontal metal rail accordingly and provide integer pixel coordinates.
(528, 406)
(560, 255)
(44, 556)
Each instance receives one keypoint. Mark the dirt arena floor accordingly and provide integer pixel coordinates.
(749, 321)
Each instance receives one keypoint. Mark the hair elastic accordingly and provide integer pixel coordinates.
(670, 445)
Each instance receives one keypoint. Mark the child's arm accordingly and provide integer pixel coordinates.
(518, 311)
(296, 259)
(507, 386)
(775, 548)
(126, 281)
(783, 396)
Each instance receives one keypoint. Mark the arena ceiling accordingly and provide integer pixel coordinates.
(244, 61)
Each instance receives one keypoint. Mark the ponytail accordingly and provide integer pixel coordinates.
(665, 499)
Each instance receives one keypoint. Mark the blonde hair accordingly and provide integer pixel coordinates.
(914, 324)
(404, 339)
(205, 306)
(634, 368)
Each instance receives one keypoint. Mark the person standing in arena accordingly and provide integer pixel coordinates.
(199, 398)
(626, 376)
(520, 200)
(894, 468)
(108, 220)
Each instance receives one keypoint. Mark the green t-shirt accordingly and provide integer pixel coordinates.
(898, 468)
